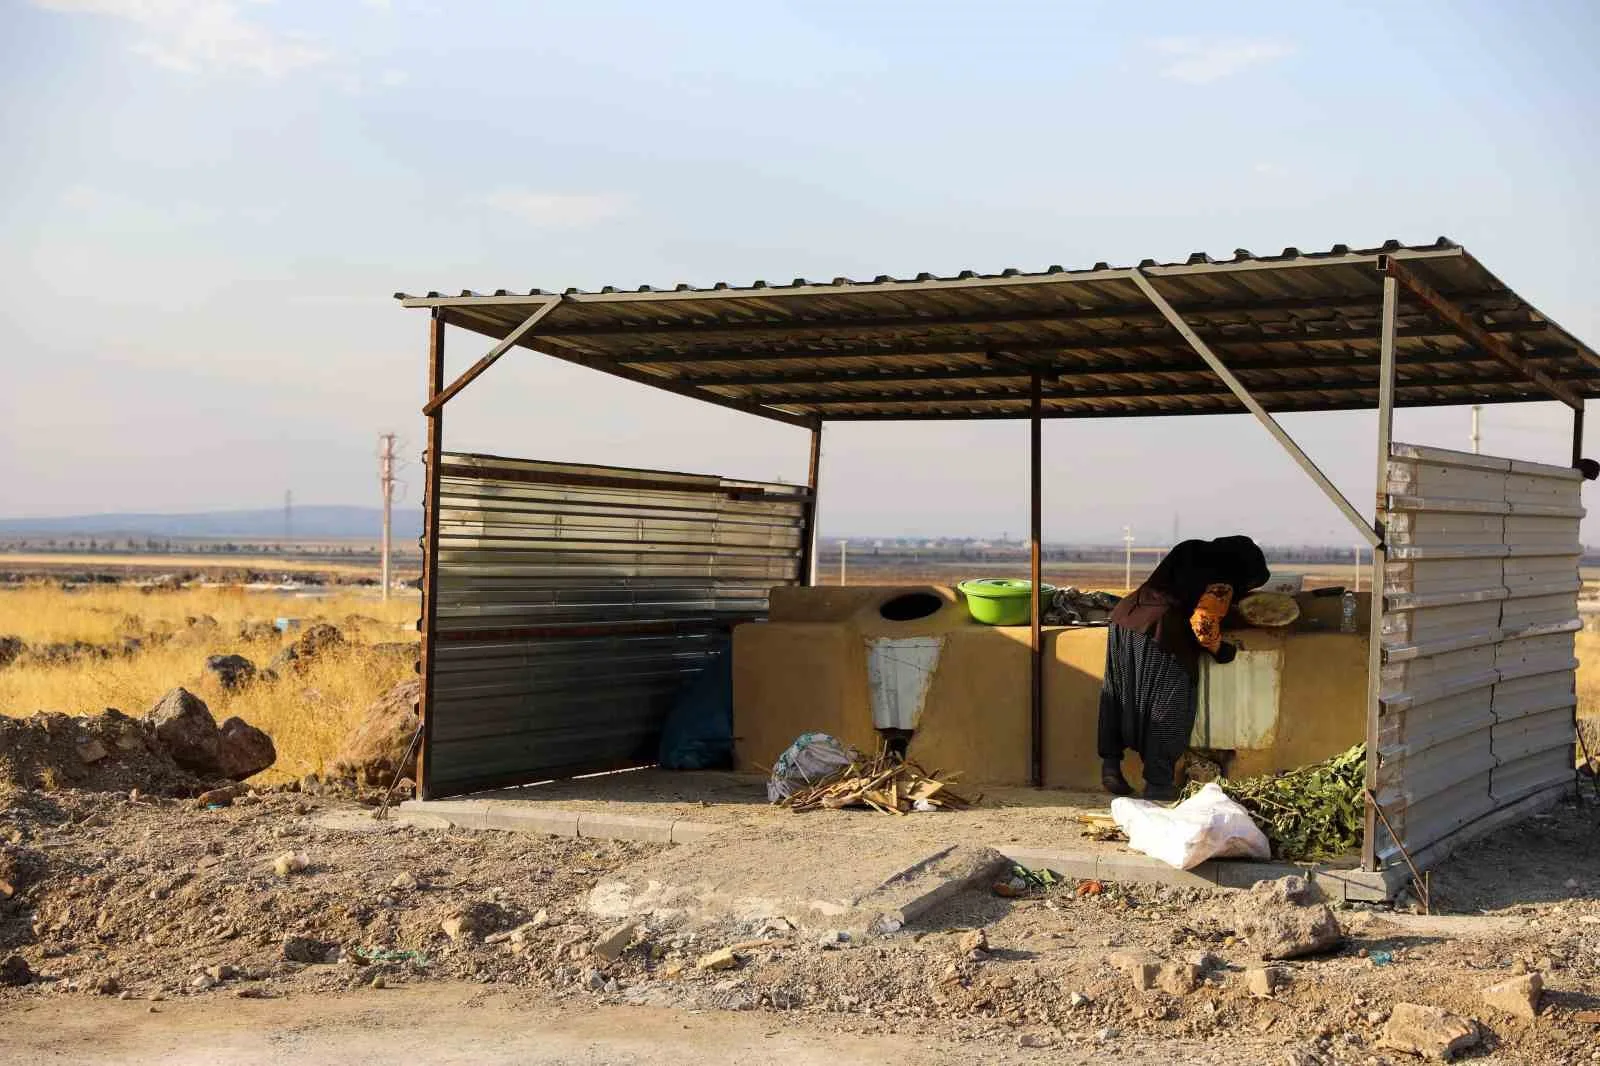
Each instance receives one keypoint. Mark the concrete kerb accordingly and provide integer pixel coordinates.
(1338, 883)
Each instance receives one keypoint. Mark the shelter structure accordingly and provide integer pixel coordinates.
(517, 616)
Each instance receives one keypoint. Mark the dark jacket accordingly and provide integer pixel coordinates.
(1162, 606)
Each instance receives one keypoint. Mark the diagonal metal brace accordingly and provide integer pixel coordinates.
(1362, 524)
(1462, 323)
(441, 398)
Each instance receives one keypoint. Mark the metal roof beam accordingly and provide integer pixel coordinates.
(1154, 339)
(1170, 412)
(778, 385)
(1441, 306)
(1070, 313)
(1208, 389)
(1362, 525)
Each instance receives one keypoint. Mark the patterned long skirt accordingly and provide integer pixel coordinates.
(1147, 704)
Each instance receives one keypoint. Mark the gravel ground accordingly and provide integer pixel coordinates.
(159, 901)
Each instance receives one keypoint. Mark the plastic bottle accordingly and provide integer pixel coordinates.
(1347, 613)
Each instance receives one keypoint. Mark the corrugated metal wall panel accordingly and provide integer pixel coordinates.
(1480, 603)
(575, 601)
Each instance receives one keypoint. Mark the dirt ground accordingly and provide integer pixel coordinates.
(147, 923)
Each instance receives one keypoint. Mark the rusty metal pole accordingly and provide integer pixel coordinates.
(1035, 568)
(808, 542)
(430, 543)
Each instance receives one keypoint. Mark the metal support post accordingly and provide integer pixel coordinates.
(1243, 395)
(430, 544)
(1391, 307)
(808, 536)
(1035, 575)
(1577, 434)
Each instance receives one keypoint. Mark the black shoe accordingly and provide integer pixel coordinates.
(1112, 781)
(1160, 793)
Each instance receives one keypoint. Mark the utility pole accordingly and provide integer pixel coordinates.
(844, 549)
(386, 483)
(288, 516)
(1477, 426)
(1127, 557)
(1358, 568)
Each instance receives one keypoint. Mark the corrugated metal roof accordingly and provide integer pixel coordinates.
(1299, 329)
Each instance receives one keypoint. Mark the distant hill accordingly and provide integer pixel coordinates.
(310, 523)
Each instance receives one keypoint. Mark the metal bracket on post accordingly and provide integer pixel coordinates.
(1271, 425)
(442, 397)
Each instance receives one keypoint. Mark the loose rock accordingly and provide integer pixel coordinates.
(14, 971)
(305, 949)
(1262, 981)
(721, 959)
(613, 942)
(231, 671)
(1178, 978)
(290, 862)
(1431, 1032)
(1286, 918)
(1518, 996)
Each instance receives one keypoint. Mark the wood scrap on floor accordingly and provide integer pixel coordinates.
(1102, 827)
(885, 783)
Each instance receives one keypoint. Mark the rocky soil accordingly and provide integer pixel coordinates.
(295, 892)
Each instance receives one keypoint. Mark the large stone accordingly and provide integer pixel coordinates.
(613, 942)
(1286, 918)
(185, 728)
(1518, 996)
(243, 750)
(308, 646)
(1178, 978)
(376, 750)
(14, 971)
(1262, 981)
(231, 671)
(304, 949)
(1432, 1032)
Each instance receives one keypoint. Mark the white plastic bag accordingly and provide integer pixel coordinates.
(808, 760)
(1207, 825)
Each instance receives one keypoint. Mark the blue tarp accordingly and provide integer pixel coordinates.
(698, 734)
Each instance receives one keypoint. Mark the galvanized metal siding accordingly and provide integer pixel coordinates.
(573, 603)
(1478, 683)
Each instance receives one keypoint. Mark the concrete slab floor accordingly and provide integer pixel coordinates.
(1033, 827)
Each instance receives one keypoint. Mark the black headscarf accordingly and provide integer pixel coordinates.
(1192, 565)
(1240, 563)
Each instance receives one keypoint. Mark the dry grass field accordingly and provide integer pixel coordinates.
(307, 712)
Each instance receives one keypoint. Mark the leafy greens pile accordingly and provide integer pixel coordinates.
(1314, 812)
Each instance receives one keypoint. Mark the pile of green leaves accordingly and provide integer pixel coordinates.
(1314, 812)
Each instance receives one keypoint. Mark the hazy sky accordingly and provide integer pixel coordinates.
(205, 206)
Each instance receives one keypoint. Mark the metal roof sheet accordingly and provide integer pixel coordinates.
(1299, 329)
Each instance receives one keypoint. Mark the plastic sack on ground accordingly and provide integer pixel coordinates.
(1207, 825)
(808, 760)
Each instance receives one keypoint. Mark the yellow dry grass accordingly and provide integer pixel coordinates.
(308, 712)
(199, 561)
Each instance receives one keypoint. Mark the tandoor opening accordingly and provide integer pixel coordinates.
(909, 606)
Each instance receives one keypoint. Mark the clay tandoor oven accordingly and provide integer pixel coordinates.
(564, 605)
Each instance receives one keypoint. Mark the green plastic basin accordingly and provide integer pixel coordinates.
(1001, 601)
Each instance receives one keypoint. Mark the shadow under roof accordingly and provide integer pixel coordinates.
(1300, 330)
